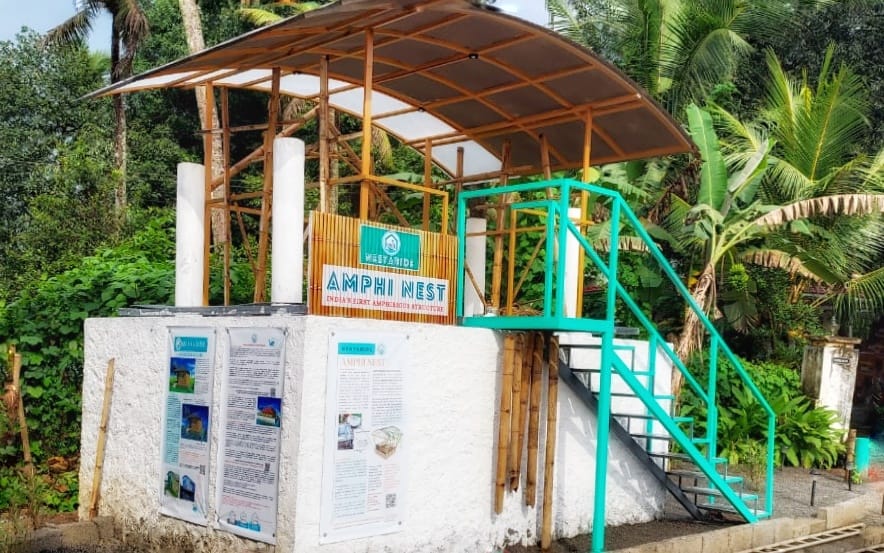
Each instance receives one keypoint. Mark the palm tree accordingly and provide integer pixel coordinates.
(128, 30)
(734, 221)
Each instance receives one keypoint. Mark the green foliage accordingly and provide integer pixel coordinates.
(46, 324)
(804, 435)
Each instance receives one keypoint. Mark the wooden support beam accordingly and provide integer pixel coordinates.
(534, 419)
(458, 188)
(207, 213)
(584, 203)
(264, 224)
(365, 190)
(552, 423)
(504, 420)
(324, 166)
(225, 196)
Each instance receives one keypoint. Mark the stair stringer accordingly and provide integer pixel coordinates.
(582, 392)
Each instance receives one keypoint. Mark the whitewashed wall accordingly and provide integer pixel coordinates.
(451, 410)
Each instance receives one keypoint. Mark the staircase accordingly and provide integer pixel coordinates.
(647, 437)
(628, 389)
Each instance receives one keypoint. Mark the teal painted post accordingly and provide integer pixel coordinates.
(711, 399)
(550, 247)
(461, 254)
(604, 408)
(652, 374)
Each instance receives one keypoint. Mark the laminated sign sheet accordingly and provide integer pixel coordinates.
(248, 473)
(366, 438)
(185, 466)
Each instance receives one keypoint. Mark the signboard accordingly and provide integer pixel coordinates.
(252, 410)
(366, 436)
(388, 248)
(188, 419)
(380, 271)
(363, 289)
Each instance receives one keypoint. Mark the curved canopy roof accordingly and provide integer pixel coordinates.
(450, 71)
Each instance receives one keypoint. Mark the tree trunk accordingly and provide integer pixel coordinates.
(193, 31)
(692, 333)
(119, 132)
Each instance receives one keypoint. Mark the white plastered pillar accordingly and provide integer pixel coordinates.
(190, 216)
(287, 255)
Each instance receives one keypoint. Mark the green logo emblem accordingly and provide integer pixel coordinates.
(390, 249)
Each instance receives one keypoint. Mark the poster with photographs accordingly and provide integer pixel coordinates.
(365, 436)
(251, 417)
(189, 375)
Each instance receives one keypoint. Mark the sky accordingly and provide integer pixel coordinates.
(42, 15)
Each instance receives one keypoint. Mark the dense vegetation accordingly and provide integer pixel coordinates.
(795, 121)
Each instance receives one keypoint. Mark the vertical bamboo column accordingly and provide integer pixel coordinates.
(515, 454)
(207, 163)
(502, 202)
(534, 419)
(368, 85)
(267, 193)
(458, 185)
(503, 434)
(324, 165)
(552, 417)
(428, 181)
(225, 196)
(520, 414)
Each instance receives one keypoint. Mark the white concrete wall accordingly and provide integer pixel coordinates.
(450, 474)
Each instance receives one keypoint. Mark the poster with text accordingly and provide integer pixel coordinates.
(366, 437)
(188, 379)
(251, 419)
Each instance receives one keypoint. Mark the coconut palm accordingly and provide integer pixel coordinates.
(128, 30)
(732, 221)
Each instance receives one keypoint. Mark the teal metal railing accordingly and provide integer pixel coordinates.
(558, 228)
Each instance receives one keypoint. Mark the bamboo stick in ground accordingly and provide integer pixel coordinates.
(516, 428)
(534, 419)
(102, 439)
(527, 353)
(503, 436)
(22, 421)
(551, 424)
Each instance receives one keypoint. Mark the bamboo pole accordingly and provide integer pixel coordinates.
(428, 181)
(458, 183)
(365, 191)
(225, 147)
(267, 198)
(584, 204)
(503, 200)
(534, 419)
(324, 166)
(515, 456)
(503, 435)
(552, 404)
(208, 152)
(524, 388)
(102, 439)
(22, 421)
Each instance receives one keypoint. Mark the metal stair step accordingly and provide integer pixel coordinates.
(647, 416)
(643, 436)
(730, 479)
(613, 373)
(728, 508)
(686, 457)
(717, 493)
(630, 394)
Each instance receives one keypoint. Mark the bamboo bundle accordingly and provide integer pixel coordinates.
(551, 425)
(102, 439)
(534, 418)
(503, 436)
(525, 375)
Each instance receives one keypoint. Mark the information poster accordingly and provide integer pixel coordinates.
(365, 436)
(248, 471)
(188, 381)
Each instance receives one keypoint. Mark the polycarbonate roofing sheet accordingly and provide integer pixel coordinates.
(450, 71)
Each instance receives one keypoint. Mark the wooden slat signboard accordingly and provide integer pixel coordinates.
(376, 271)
